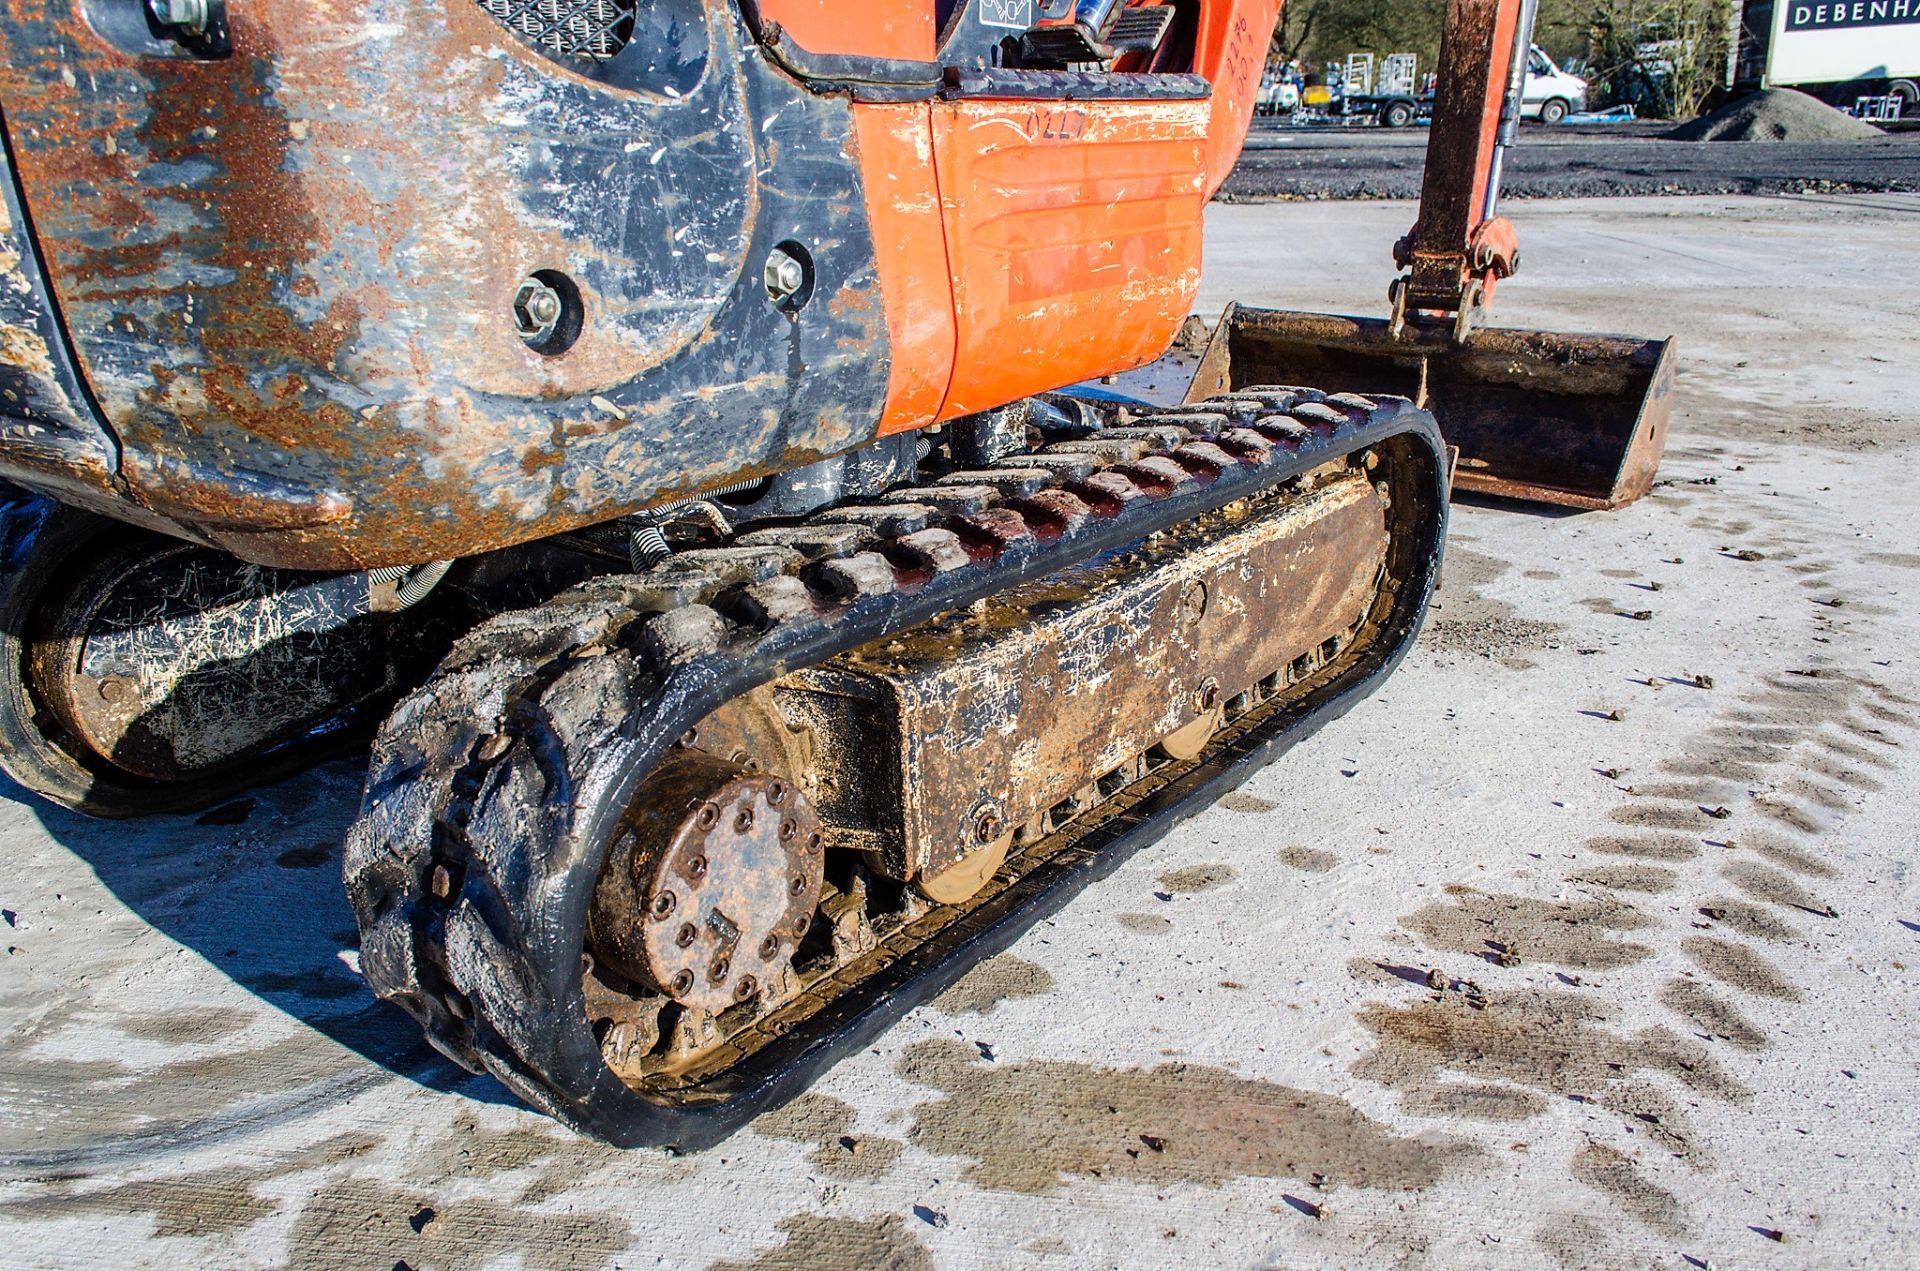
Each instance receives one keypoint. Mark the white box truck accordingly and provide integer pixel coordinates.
(1843, 50)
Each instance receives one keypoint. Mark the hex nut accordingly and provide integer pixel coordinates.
(784, 276)
(537, 309)
(192, 16)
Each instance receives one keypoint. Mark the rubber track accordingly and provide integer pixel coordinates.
(494, 788)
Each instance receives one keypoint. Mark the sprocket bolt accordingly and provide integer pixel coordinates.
(986, 826)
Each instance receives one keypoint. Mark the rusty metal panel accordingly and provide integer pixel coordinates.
(45, 428)
(289, 274)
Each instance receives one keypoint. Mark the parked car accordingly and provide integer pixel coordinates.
(1551, 94)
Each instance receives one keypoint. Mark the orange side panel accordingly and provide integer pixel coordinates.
(1075, 233)
(1230, 49)
(871, 28)
(910, 253)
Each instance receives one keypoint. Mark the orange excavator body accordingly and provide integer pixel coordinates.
(980, 231)
(1010, 234)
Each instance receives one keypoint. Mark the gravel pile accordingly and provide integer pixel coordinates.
(1776, 114)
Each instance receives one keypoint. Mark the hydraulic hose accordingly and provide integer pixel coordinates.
(416, 581)
(647, 545)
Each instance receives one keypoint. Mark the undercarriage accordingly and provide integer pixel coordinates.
(656, 852)
(695, 802)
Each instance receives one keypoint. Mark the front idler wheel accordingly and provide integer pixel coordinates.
(710, 885)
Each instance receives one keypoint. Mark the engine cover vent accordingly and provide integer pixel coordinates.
(579, 30)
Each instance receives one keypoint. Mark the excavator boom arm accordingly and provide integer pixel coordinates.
(1459, 248)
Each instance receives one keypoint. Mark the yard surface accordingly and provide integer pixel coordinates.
(1591, 161)
(1593, 940)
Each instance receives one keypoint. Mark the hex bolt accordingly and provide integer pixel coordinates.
(113, 690)
(743, 822)
(542, 305)
(777, 793)
(719, 971)
(788, 829)
(696, 868)
(682, 984)
(1209, 695)
(770, 948)
(784, 276)
(709, 816)
(801, 924)
(537, 309)
(192, 16)
(797, 886)
(686, 935)
(746, 988)
(663, 904)
(813, 843)
(986, 827)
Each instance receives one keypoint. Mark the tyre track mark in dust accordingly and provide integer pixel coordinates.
(1790, 754)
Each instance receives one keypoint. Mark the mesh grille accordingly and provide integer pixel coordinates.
(586, 30)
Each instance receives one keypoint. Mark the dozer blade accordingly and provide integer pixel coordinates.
(1575, 420)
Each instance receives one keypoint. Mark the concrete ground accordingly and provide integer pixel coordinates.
(1659, 874)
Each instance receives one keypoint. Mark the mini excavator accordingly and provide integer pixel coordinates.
(692, 439)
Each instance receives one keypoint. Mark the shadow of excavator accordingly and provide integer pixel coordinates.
(253, 888)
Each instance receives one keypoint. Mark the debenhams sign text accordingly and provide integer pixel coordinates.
(1852, 13)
